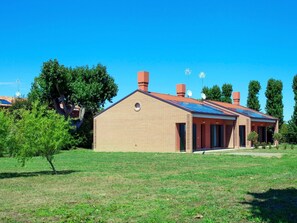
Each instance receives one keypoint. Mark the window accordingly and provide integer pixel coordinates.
(137, 106)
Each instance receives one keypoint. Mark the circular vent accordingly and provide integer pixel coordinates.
(137, 106)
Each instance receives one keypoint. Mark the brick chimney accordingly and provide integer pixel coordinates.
(236, 98)
(181, 90)
(143, 80)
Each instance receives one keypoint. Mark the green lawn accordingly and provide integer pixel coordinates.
(150, 187)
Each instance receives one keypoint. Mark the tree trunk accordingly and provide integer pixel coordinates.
(52, 165)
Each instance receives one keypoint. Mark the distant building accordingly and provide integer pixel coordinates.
(5, 101)
(146, 121)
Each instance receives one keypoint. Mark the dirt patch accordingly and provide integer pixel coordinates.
(278, 155)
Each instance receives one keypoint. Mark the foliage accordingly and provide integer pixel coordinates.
(284, 131)
(207, 92)
(263, 144)
(226, 93)
(277, 137)
(84, 134)
(274, 102)
(285, 145)
(64, 88)
(20, 103)
(216, 93)
(291, 135)
(253, 137)
(40, 132)
(5, 123)
(253, 100)
(269, 145)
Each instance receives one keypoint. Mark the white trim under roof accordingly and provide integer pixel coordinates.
(225, 117)
(263, 120)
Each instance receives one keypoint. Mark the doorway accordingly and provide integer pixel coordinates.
(203, 136)
(217, 136)
(182, 136)
(242, 142)
(194, 137)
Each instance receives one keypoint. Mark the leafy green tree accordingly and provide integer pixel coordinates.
(292, 125)
(40, 132)
(19, 103)
(253, 100)
(216, 93)
(207, 92)
(253, 137)
(274, 102)
(226, 93)
(277, 137)
(5, 123)
(284, 131)
(65, 88)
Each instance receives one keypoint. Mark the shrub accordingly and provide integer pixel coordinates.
(269, 145)
(253, 137)
(292, 146)
(5, 124)
(277, 137)
(263, 144)
(256, 144)
(285, 145)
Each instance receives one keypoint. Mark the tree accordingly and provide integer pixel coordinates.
(207, 92)
(253, 100)
(253, 137)
(64, 88)
(292, 125)
(274, 102)
(5, 123)
(226, 93)
(40, 132)
(215, 93)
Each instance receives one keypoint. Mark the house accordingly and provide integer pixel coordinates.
(5, 101)
(146, 121)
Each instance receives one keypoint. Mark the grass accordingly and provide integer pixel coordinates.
(150, 187)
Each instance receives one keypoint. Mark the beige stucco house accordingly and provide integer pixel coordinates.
(153, 122)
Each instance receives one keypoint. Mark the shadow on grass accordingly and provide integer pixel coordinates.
(275, 205)
(33, 174)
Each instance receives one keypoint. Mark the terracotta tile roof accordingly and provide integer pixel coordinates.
(168, 97)
(191, 104)
(242, 110)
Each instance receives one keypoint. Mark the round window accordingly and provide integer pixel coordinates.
(137, 107)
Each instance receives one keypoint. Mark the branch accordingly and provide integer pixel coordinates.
(58, 107)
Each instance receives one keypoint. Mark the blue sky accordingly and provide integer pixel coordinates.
(231, 41)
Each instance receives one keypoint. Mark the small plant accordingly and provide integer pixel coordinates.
(263, 144)
(292, 146)
(277, 137)
(269, 145)
(285, 145)
(277, 146)
(256, 144)
(253, 137)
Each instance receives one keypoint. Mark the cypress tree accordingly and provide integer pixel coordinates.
(292, 126)
(253, 100)
(274, 103)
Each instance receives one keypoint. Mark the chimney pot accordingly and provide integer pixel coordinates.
(236, 98)
(181, 90)
(143, 80)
